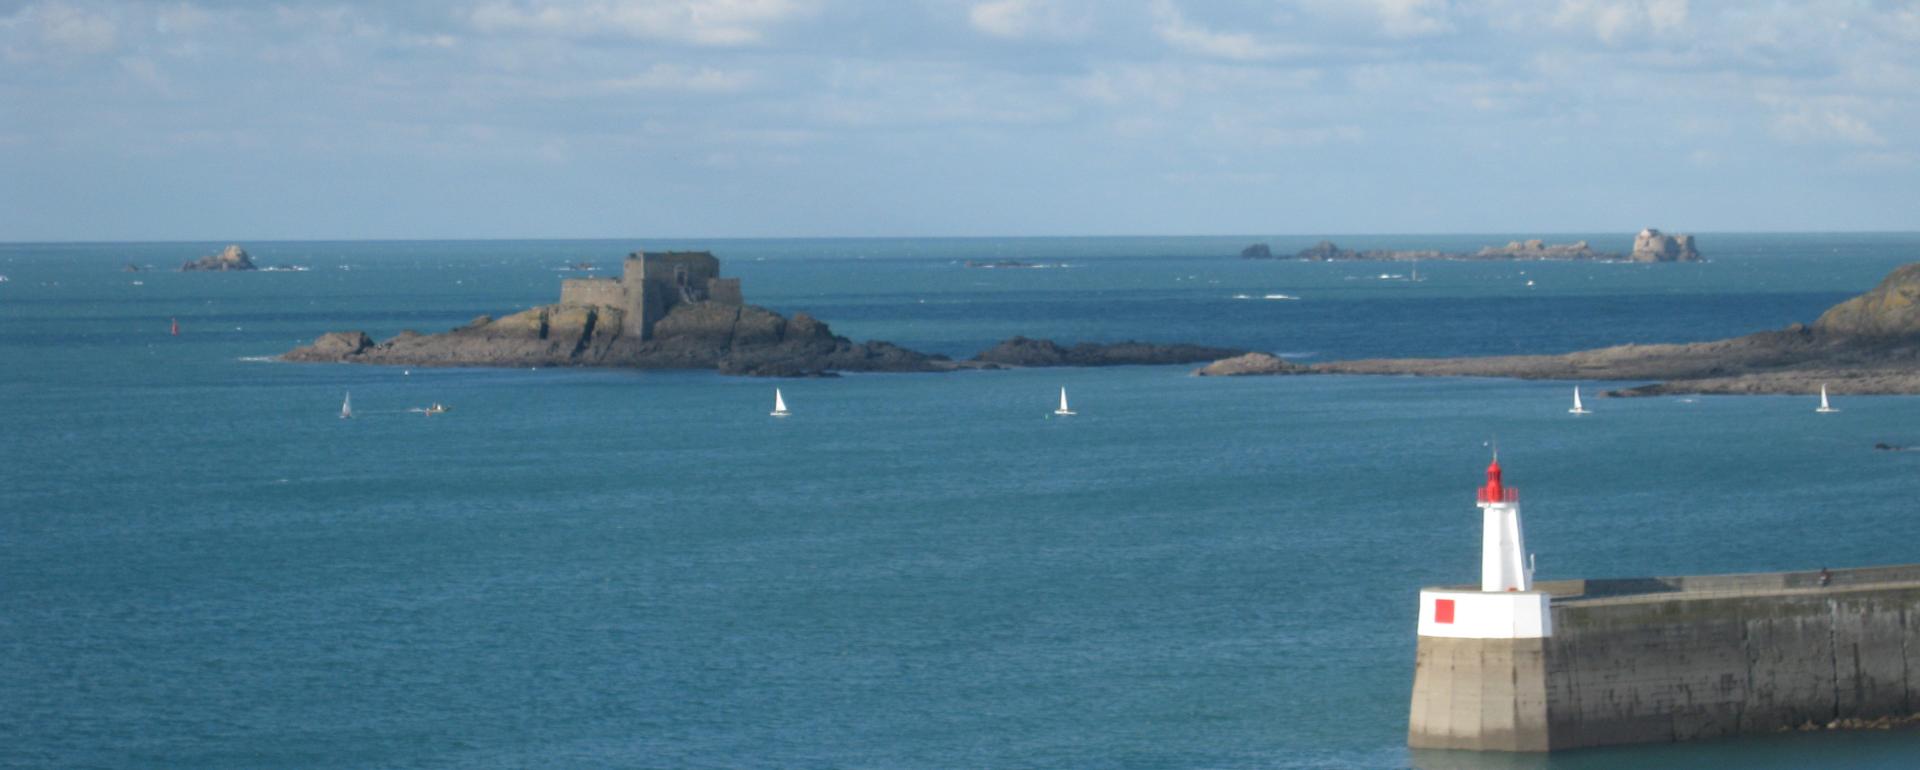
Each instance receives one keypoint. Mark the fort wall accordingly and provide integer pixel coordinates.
(650, 285)
(587, 292)
(1654, 660)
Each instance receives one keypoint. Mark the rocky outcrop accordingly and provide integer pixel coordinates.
(230, 258)
(1538, 249)
(1891, 309)
(1250, 364)
(734, 339)
(1021, 351)
(1866, 345)
(1532, 249)
(1257, 251)
(1653, 246)
(1326, 251)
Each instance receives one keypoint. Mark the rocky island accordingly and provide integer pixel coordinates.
(1869, 344)
(1649, 245)
(674, 311)
(230, 258)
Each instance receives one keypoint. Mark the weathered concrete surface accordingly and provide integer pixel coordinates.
(1479, 694)
(1652, 660)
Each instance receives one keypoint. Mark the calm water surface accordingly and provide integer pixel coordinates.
(201, 566)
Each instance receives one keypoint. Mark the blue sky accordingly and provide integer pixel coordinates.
(724, 118)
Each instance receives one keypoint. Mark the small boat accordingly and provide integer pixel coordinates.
(346, 407)
(176, 327)
(779, 405)
(1577, 407)
(1063, 410)
(1279, 296)
(1824, 406)
(437, 408)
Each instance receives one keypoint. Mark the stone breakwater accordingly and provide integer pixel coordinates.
(1869, 344)
(1656, 660)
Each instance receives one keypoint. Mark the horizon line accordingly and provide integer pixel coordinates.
(486, 239)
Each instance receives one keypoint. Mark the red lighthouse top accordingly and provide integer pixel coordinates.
(1494, 491)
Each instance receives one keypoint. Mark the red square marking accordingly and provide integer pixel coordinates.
(1443, 611)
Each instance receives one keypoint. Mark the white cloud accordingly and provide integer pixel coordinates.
(675, 77)
(1016, 19)
(1824, 124)
(1393, 18)
(1614, 21)
(74, 30)
(1175, 30)
(700, 22)
(1823, 118)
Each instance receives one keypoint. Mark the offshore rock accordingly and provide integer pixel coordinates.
(1021, 351)
(1866, 345)
(1891, 309)
(1257, 251)
(230, 258)
(1538, 249)
(1653, 246)
(1250, 364)
(733, 339)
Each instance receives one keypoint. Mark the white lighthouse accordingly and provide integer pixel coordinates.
(1503, 549)
(1506, 606)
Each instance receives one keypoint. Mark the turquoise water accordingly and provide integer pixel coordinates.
(200, 566)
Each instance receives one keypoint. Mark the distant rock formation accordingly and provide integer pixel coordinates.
(230, 258)
(1868, 344)
(1326, 251)
(1007, 264)
(1650, 246)
(1250, 364)
(1538, 249)
(601, 322)
(1021, 351)
(1653, 246)
(1257, 251)
(733, 339)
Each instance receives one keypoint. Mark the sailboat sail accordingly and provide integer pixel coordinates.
(1064, 409)
(1578, 408)
(779, 404)
(346, 407)
(1824, 406)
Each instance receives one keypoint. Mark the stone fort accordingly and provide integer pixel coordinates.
(652, 284)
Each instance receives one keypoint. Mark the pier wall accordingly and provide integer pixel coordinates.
(1656, 660)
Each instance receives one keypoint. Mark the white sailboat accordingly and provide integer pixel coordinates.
(1824, 406)
(1577, 407)
(346, 407)
(1063, 410)
(779, 404)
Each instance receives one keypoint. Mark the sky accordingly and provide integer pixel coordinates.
(216, 120)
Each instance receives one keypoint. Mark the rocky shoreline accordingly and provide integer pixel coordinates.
(1869, 344)
(745, 340)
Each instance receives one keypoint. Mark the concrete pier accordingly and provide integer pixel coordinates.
(1651, 660)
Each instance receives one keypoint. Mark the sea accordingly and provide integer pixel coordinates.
(203, 566)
